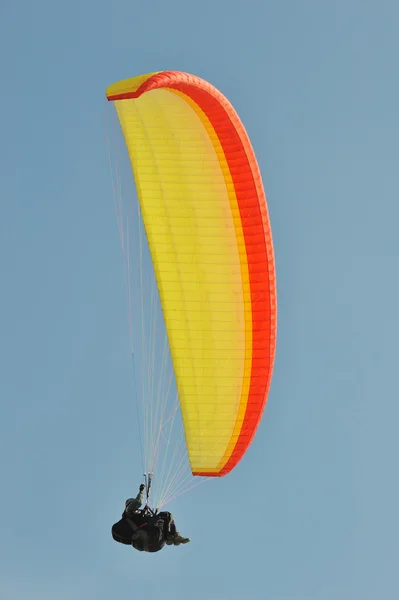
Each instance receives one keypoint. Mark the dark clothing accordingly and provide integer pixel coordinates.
(146, 533)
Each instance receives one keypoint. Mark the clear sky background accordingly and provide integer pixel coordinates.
(311, 513)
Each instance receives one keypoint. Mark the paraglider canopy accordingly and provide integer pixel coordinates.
(207, 225)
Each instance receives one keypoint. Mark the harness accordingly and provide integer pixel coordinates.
(151, 540)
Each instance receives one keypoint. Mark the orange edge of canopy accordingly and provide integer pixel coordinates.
(255, 221)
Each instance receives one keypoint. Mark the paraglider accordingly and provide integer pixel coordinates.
(206, 224)
(144, 529)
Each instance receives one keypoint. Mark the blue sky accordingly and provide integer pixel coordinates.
(311, 512)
